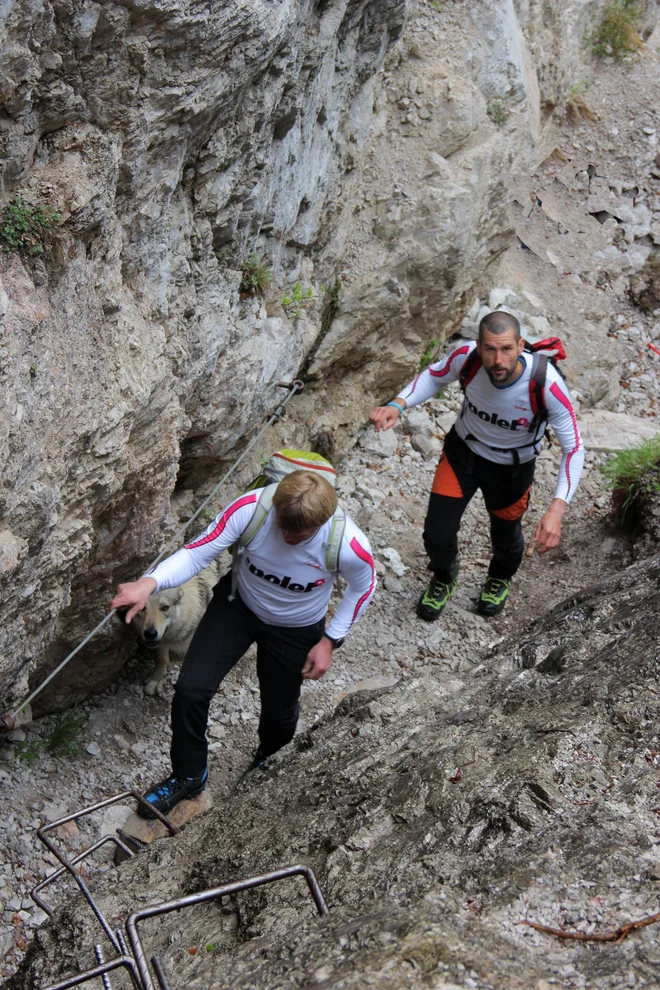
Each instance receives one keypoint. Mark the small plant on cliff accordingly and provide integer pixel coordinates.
(255, 276)
(427, 356)
(617, 33)
(633, 474)
(292, 303)
(27, 228)
(498, 111)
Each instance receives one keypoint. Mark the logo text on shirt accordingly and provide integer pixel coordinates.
(284, 582)
(492, 417)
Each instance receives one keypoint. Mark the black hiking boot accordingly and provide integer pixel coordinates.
(435, 598)
(166, 794)
(494, 595)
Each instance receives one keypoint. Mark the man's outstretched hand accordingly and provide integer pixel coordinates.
(319, 660)
(134, 594)
(548, 531)
(384, 417)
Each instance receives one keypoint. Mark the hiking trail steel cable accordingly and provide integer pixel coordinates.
(8, 722)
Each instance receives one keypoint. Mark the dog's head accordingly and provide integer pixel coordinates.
(155, 619)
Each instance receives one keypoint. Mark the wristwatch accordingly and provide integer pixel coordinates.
(336, 643)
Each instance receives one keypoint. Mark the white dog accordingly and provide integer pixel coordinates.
(170, 619)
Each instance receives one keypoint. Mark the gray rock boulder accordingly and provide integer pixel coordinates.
(419, 422)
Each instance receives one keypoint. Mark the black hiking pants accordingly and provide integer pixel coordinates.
(505, 488)
(225, 633)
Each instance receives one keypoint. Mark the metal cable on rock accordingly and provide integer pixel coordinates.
(8, 722)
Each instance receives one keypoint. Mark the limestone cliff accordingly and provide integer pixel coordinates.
(357, 152)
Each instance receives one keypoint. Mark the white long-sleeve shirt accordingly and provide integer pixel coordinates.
(283, 584)
(495, 419)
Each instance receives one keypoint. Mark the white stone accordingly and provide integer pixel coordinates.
(637, 255)
(498, 297)
(379, 444)
(531, 302)
(428, 447)
(419, 422)
(394, 560)
(603, 430)
(540, 325)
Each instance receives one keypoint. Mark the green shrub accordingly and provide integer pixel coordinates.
(255, 276)
(633, 474)
(27, 228)
(292, 303)
(498, 111)
(428, 354)
(617, 33)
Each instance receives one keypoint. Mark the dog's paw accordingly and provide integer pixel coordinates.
(154, 686)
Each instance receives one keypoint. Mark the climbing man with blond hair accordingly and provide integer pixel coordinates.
(511, 391)
(278, 599)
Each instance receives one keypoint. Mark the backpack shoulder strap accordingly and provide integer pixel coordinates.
(537, 388)
(470, 367)
(261, 510)
(334, 542)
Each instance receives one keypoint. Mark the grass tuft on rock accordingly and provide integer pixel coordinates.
(256, 276)
(633, 474)
(498, 110)
(617, 33)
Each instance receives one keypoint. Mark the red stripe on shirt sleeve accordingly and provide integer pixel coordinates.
(222, 522)
(414, 384)
(368, 559)
(447, 367)
(559, 395)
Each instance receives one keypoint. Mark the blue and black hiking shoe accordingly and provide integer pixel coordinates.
(435, 598)
(166, 794)
(259, 761)
(494, 595)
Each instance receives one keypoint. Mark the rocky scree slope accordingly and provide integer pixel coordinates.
(176, 138)
(437, 815)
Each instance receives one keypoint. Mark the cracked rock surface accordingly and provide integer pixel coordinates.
(349, 143)
(437, 814)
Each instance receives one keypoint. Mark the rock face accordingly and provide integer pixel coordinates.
(437, 815)
(363, 161)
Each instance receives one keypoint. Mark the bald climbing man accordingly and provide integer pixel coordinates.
(509, 395)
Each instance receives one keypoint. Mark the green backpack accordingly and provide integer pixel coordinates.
(281, 463)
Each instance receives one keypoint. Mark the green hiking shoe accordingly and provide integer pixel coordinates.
(434, 599)
(494, 595)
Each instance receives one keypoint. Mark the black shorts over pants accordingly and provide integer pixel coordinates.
(505, 488)
(225, 633)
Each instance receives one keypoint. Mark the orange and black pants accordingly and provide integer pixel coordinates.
(505, 488)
